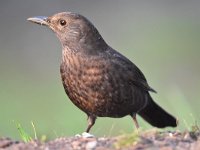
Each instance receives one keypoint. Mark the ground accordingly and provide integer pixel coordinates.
(148, 140)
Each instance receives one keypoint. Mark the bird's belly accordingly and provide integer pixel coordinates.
(99, 97)
(86, 94)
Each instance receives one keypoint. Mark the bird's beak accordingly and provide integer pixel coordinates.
(42, 20)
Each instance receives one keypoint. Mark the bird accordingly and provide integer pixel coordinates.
(99, 80)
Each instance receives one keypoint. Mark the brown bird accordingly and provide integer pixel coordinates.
(99, 80)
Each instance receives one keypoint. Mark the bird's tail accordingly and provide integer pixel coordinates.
(157, 116)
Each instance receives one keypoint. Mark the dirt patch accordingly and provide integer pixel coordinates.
(146, 140)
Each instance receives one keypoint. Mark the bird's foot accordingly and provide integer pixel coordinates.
(85, 135)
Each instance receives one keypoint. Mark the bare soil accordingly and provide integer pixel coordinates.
(151, 140)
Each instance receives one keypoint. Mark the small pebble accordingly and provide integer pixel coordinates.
(170, 134)
(87, 135)
(77, 135)
(91, 145)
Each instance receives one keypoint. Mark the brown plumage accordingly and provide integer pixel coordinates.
(99, 80)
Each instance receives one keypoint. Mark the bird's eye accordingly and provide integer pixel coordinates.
(62, 22)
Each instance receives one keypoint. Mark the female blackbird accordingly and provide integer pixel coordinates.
(99, 80)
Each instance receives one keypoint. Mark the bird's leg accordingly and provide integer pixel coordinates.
(91, 122)
(135, 120)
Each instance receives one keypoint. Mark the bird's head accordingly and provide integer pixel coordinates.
(73, 30)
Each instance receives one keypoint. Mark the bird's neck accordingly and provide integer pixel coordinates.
(90, 43)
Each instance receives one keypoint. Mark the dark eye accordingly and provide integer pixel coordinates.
(62, 22)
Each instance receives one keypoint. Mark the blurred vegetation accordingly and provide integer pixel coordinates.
(161, 38)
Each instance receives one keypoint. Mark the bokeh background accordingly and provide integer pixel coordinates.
(161, 37)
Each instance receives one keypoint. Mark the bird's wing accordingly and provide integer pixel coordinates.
(143, 84)
(130, 71)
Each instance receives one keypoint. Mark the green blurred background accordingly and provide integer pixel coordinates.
(161, 37)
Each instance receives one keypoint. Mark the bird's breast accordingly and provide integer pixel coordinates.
(85, 82)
